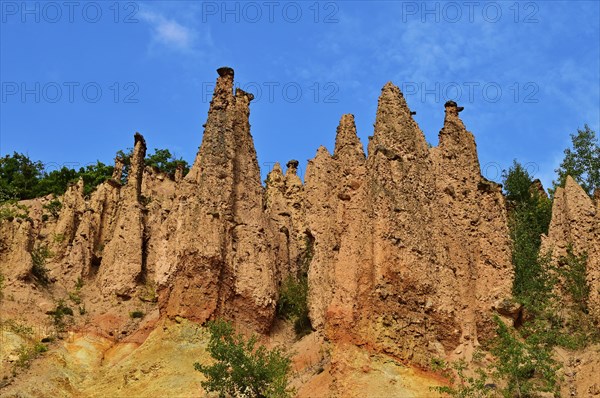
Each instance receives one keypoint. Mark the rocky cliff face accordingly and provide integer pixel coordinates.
(576, 223)
(406, 248)
(411, 243)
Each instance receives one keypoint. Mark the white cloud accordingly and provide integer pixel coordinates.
(169, 32)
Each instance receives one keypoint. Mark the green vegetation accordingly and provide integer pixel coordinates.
(293, 304)
(59, 314)
(148, 293)
(573, 270)
(39, 255)
(26, 354)
(558, 319)
(17, 328)
(136, 314)
(59, 238)
(10, 209)
(293, 297)
(582, 161)
(529, 217)
(161, 160)
(521, 367)
(21, 178)
(53, 207)
(554, 298)
(79, 284)
(75, 297)
(242, 368)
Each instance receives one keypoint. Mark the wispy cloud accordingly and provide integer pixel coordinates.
(172, 34)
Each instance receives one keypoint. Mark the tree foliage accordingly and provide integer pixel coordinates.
(554, 296)
(529, 217)
(293, 297)
(161, 160)
(21, 178)
(582, 161)
(241, 368)
(521, 367)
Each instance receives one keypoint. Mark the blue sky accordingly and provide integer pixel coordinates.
(79, 79)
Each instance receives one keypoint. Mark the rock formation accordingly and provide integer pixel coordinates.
(123, 260)
(411, 244)
(406, 249)
(576, 223)
(221, 259)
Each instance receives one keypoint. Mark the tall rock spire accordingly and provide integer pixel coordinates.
(217, 141)
(347, 145)
(456, 144)
(123, 259)
(136, 169)
(222, 235)
(396, 132)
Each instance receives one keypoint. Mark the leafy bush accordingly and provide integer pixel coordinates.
(53, 207)
(21, 178)
(59, 238)
(573, 270)
(17, 328)
(162, 160)
(26, 354)
(526, 364)
(59, 314)
(75, 298)
(522, 367)
(136, 314)
(242, 368)
(94, 175)
(293, 297)
(293, 304)
(40, 347)
(55, 182)
(39, 255)
(11, 209)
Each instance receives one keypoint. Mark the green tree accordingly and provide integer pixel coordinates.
(242, 368)
(125, 157)
(521, 367)
(19, 177)
(94, 175)
(293, 303)
(529, 217)
(56, 181)
(161, 159)
(525, 364)
(517, 184)
(582, 161)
